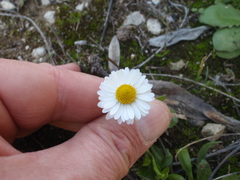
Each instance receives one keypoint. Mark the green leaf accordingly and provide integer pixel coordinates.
(161, 159)
(203, 151)
(227, 39)
(161, 98)
(174, 121)
(147, 159)
(185, 161)
(228, 55)
(203, 170)
(220, 15)
(154, 162)
(165, 172)
(157, 157)
(175, 177)
(163, 54)
(147, 172)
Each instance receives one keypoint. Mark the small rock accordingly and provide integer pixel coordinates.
(135, 18)
(156, 2)
(38, 52)
(27, 47)
(80, 7)
(177, 65)
(212, 129)
(50, 17)
(7, 5)
(81, 42)
(20, 58)
(45, 2)
(154, 26)
(169, 19)
(133, 56)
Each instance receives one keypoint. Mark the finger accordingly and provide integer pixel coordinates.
(6, 149)
(37, 94)
(70, 126)
(104, 148)
(70, 66)
(110, 149)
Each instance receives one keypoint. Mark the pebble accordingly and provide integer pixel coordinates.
(7, 5)
(45, 2)
(154, 26)
(38, 52)
(50, 17)
(135, 18)
(27, 47)
(176, 66)
(169, 19)
(156, 2)
(81, 6)
(212, 129)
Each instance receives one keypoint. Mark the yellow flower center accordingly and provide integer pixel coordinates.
(126, 94)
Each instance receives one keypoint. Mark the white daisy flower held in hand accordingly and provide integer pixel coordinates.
(125, 95)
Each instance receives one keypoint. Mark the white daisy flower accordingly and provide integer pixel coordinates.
(125, 95)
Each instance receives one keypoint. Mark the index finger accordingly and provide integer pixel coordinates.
(32, 95)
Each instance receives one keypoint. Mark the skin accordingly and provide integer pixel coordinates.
(32, 95)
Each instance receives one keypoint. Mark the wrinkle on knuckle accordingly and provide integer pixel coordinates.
(111, 150)
(62, 93)
(124, 141)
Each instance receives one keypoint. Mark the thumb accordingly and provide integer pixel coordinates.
(100, 150)
(109, 149)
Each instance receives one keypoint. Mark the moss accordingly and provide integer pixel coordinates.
(201, 4)
(229, 167)
(73, 26)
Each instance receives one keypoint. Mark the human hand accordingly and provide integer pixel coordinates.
(32, 95)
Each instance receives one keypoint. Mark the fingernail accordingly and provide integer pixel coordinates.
(153, 125)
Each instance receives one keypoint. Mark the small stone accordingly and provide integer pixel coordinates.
(176, 66)
(154, 26)
(169, 19)
(50, 17)
(212, 129)
(81, 42)
(135, 18)
(7, 5)
(20, 58)
(27, 47)
(156, 2)
(133, 56)
(45, 2)
(38, 52)
(81, 6)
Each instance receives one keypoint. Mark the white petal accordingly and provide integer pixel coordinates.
(119, 121)
(115, 108)
(136, 110)
(139, 81)
(119, 112)
(142, 105)
(110, 104)
(144, 88)
(108, 116)
(130, 111)
(145, 97)
(124, 115)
